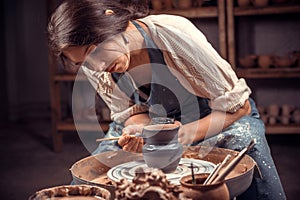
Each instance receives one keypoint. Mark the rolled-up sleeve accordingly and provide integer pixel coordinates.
(188, 53)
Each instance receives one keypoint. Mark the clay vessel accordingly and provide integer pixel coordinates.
(286, 109)
(273, 110)
(184, 4)
(197, 3)
(243, 3)
(296, 116)
(265, 61)
(168, 4)
(161, 149)
(157, 4)
(218, 191)
(260, 3)
(248, 61)
(284, 61)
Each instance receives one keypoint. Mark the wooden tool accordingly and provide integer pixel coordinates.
(112, 138)
(233, 163)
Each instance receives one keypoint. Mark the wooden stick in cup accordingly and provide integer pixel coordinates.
(217, 170)
(231, 165)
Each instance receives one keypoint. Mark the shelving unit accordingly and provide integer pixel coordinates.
(205, 12)
(234, 12)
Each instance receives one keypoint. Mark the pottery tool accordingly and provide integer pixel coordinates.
(216, 171)
(213, 173)
(113, 138)
(231, 165)
(193, 174)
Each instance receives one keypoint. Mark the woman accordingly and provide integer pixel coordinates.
(144, 66)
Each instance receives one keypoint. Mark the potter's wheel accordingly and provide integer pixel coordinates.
(127, 170)
(89, 169)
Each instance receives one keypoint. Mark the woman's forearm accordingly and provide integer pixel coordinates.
(211, 125)
(137, 119)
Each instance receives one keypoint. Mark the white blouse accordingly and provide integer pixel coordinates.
(191, 58)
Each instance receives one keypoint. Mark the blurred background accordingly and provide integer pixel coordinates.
(29, 160)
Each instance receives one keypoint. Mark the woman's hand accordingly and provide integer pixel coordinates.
(187, 134)
(129, 142)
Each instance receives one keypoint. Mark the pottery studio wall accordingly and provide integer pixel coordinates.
(24, 78)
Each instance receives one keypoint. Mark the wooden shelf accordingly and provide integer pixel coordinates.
(282, 129)
(269, 73)
(268, 10)
(84, 126)
(200, 12)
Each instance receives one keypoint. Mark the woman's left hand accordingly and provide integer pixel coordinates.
(129, 142)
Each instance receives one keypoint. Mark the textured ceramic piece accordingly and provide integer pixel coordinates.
(195, 191)
(65, 192)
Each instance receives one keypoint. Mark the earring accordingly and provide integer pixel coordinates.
(125, 39)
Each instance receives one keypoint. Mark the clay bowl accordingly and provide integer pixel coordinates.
(92, 170)
(65, 192)
(265, 61)
(284, 61)
(243, 3)
(238, 180)
(160, 134)
(248, 61)
(260, 3)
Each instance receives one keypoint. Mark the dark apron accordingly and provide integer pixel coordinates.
(166, 96)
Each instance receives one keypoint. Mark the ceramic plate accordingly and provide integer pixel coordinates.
(127, 170)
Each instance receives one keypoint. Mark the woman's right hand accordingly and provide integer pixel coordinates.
(129, 141)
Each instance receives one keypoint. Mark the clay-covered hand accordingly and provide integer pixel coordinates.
(131, 139)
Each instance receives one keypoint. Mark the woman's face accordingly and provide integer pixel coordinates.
(110, 56)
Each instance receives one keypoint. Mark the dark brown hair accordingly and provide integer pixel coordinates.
(83, 22)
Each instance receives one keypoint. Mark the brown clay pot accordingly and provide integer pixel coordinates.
(184, 4)
(161, 149)
(248, 61)
(265, 61)
(273, 110)
(157, 4)
(260, 3)
(243, 3)
(286, 109)
(168, 4)
(284, 61)
(197, 3)
(218, 191)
